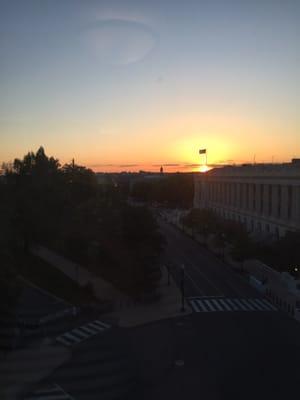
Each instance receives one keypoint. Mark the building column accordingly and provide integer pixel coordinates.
(244, 194)
(266, 200)
(238, 196)
(274, 211)
(231, 194)
(284, 202)
(258, 198)
(296, 205)
(251, 194)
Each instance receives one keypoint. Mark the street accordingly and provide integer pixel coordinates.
(206, 275)
(225, 355)
(232, 346)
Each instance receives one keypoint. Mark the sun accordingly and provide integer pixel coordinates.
(204, 168)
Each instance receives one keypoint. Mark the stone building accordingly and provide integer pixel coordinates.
(265, 197)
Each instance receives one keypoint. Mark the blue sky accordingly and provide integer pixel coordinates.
(136, 82)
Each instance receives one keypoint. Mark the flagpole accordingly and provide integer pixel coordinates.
(203, 151)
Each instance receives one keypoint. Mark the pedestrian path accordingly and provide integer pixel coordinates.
(84, 332)
(224, 304)
(50, 392)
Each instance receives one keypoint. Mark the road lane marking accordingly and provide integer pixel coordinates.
(193, 282)
(233, 305)
(190, 264)
(179, 236)
(95, 326)
(241, 305)
(79, 332)
(82, 333)
(66, 342)
(207, 302)
(264, 306)
(256, 306)
(247, 304)
(216, 303)
(72, 337)
(89, 330)
(203, 304)
(195, 306)
(102, 323)
(223, 302)
(269, 304)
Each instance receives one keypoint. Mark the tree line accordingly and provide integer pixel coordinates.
(64, 208)
(170, 190)
(282, 254)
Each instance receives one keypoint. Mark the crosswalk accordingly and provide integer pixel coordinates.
(50, 392)
(224, 304)
(84, 332)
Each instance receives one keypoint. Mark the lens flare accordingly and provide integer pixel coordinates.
(204, 168)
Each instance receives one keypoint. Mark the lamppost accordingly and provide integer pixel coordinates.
(182, 288)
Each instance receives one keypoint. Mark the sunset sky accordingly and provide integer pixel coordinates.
(120, 85)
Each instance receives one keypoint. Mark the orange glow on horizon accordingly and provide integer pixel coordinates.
(204, 168)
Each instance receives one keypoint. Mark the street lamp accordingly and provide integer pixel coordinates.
(182, 288)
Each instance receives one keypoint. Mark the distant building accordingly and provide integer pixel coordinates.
(265, 197)
(146, 177)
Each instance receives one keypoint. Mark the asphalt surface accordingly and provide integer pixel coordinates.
(217, 355)
(205, 355)
(102, 366)
(205, 274)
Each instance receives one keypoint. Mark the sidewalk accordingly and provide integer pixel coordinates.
(127, 312)
(169, 306)
(103, 290)
(21, 369)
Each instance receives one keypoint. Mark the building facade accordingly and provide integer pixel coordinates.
(265, 197)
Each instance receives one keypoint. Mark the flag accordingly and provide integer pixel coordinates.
(202, 151)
